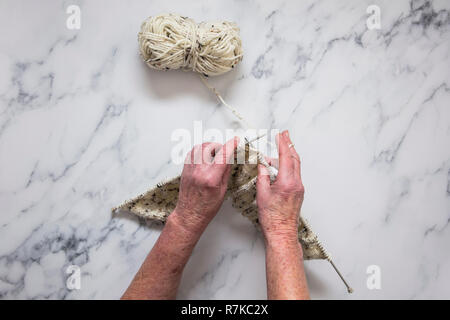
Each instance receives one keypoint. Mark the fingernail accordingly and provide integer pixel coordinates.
(285, 134)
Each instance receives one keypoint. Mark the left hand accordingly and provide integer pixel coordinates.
(203, 184)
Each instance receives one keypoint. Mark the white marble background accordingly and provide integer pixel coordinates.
(84, 125)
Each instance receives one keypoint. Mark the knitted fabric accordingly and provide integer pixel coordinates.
(158, 202)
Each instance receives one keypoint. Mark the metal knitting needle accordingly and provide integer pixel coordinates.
(349, 289)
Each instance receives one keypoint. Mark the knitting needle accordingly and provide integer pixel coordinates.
(349, 289)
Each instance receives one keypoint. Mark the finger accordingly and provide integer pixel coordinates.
(188, 159)
(226, 175)
(273, 162)
(225, 156)
(284, 155)
(294, 155)
(263, 180)
(209, 151)
(196, 154)
(189, 162)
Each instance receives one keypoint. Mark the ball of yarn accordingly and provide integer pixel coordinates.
(175, 42)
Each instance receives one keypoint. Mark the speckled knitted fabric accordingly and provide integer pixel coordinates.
(158, 202)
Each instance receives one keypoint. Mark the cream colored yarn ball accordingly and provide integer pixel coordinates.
(174, 42)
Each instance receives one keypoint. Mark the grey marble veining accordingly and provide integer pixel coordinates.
(84, 125)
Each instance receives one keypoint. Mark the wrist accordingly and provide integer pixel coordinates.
(281, 241)
(284, 248)
(280, 231)
(185, 223)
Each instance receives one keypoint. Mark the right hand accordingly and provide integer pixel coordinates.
(279, 203)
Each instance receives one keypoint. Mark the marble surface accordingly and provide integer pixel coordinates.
(84, 125)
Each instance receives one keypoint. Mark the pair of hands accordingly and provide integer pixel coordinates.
(203, 187)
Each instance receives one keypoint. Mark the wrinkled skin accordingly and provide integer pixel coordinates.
(279, 203)
(204, 183)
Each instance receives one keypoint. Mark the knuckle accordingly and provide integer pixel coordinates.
(210, 184)
(292, 186)
(204, 146)
(197, 178)
(204, 180)
(210, 180)
(287, 184)
(300, 189)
